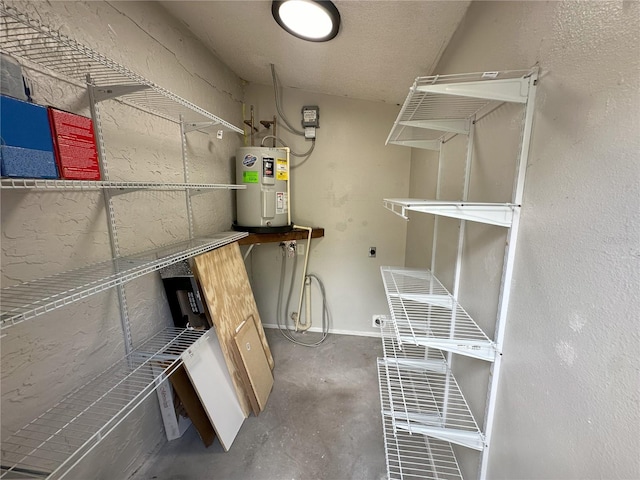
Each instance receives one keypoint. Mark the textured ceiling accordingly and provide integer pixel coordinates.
(382, 45)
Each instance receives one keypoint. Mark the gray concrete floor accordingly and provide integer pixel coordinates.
(322, 421)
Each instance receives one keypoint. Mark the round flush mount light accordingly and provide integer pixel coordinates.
(313, 20)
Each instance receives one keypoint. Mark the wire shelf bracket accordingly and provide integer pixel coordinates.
(469, 440)
(108, 92)
(450, 126)
(513, 90)
(423, 144)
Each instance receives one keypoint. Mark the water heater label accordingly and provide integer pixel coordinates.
(281, 203)
(249, 160)
(267, 167)
(250, 177)
(282, 172)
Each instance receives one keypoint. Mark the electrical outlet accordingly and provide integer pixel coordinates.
(372, 252)
(377, 321)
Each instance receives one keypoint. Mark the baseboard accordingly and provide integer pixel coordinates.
(335, 331)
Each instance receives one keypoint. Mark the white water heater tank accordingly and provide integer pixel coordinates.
(264, 205)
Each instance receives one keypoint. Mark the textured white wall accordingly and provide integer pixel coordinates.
(46, 233)
(568, 404)
(339, 188)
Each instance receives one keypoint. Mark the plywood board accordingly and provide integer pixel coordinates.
(229, 301)
(254, 361)
(206, 367)
(189, 398)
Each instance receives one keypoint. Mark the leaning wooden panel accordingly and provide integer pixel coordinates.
(255, 362)
(229, 299)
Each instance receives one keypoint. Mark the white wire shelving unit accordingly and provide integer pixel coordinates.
(31, 40)
(422, 402)
(53, 443)
(30, 299)
(86, 185)
(425, 313)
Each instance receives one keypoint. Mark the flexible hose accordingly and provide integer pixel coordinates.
(326, 314)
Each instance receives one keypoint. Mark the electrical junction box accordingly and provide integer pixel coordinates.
(310, 120)
(311, 116)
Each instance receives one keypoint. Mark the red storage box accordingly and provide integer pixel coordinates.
(75, 145)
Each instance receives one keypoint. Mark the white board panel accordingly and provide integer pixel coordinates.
(207, 370)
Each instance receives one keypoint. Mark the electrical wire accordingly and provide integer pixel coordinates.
(326, 314)
(287, 125)
(306, 155)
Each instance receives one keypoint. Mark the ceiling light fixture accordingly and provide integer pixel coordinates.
(313, 20)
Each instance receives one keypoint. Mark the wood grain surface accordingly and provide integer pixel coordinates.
(229, 300)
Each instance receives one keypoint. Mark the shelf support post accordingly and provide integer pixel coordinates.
(185, 170)
(507, 272)
(109, 210)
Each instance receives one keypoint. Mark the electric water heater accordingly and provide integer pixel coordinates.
(264, 205)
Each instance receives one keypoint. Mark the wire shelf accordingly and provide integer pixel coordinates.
(420, 401)
(27, 300)
(500, 214)
(27, 38)
(418, 457)
(411, 455)
(440, 105)
(83, 185)
(408, 354)
(424, 313)
(59, 438)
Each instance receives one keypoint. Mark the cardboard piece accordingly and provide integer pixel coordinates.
(205, 366)
(175, 422)
(256, 367)
(229, 301)
(26, 149)
(189, 398)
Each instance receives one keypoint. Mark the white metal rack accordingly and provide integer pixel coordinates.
(416, 384)
(28, 300)
(84, 185)
(58, 439)
(62, 436)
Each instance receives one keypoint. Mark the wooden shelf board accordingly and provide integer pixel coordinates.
(295, 234)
